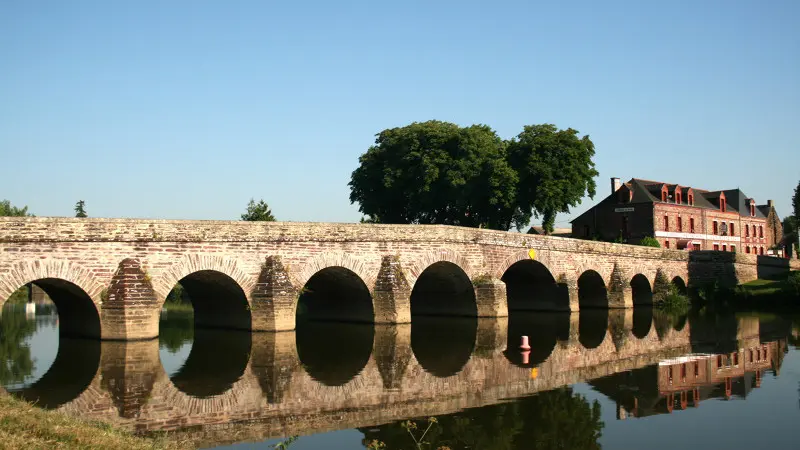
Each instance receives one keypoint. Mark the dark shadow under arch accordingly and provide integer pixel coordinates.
(77, 313)
(544, 330)
(530, 286)
(592, 291)
(680, 285)
(334, 353)
(76, 364)
(218, 300)
(443, 345)
(443, 289)
(592, 327)
(641, 290)
(642, 321)
(218, 359)
(336, 294)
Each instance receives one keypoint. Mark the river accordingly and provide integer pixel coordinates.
(619, 379)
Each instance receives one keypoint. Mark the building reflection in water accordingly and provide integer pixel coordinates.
(329, 376)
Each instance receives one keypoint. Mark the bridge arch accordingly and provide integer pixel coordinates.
(193, 263)
(73, 289)
(422, 263)
(679, 284)
(317, 263)
(443, 289)
(642, 290)
(592, 291)
(531, 286)
(335, 293)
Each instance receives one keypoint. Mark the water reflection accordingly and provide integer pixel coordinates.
(443, 345)
(333, 353)
(466, 372)
(553, 419)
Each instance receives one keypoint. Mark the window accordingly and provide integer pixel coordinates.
(736, 359)
(666, 223)
(722, 206)
(752, 210)
(760, 231)
(746, 231)
(683, 372)
(724, 247)
(716, 227)
(747, 249)
(733, 248)
(663, 196)
(696, 369)
(677, 197)
(680, 224)
(760, 250)
(716, 247)
(754, 231)
(691, 224)
(625, 226)
(586, 231)
(666, 244)
(696, 246)
(732, 229)
(691, 199)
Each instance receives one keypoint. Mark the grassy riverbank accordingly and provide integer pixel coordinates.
(22, 425)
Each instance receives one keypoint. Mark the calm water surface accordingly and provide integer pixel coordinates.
(594, 379)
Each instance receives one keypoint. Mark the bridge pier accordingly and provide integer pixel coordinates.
(128, 372)
(130, 309)
(570, 286)
(273, 361)
(492, 337)
(392, 353)
(620, 293)
(491, 297)
(274, 298)
(391, 296)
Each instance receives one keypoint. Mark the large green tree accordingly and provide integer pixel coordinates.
(437, 172)
(555, 170)
(7, 209)
(258, 212)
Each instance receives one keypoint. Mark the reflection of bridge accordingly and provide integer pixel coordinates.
(110, 277)
(278, 389)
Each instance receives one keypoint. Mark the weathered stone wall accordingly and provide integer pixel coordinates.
(127, 267)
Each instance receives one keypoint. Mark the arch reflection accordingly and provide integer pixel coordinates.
(544, 330)
(443, 345)
(73, 370)
(592, 327)
(333, 353)
(217, 360)
(642, 321)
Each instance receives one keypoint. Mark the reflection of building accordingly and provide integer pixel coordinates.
(681, 217)
(686, 381)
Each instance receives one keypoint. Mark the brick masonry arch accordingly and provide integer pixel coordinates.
(192, 263)
(334, 259)
(419, 265)
(25, 272)
(542, 256)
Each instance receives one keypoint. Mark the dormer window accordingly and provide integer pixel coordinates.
(691, 200)
(663, 196)
(722, 206)
(677, 197)
(752, 208)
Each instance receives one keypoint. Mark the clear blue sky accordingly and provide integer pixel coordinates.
(187, 109)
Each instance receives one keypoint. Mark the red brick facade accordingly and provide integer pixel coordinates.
(680, 218)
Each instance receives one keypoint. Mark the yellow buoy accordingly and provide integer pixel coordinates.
(534, 373)
(532, 253)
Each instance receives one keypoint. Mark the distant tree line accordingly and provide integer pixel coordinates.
(440, 173)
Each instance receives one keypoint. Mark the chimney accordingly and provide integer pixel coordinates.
(615, 184)
(771, 204)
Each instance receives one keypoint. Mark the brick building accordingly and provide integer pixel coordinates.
(681, 217)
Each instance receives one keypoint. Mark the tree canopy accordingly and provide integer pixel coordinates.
(258, 212)
(7, 209)
(437, 172)
(80, 209)
(796, 202)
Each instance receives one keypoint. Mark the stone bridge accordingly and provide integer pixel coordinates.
(273, 390)
(110, 277)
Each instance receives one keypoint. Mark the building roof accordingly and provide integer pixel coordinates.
(563, 232)
(649, 191)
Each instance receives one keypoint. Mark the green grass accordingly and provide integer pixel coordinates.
(182, 307)
(23, 425)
